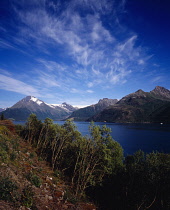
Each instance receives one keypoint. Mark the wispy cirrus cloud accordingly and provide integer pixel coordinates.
(80, 35)
(5, 44)
(157, 79)
(83, 51)
(14, 85)
(90, 91)
(5, 72)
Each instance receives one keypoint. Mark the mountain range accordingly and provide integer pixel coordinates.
(85, 113)
(137, 107)
(30, 104)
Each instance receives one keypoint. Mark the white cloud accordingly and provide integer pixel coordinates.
(14, 85)
(90, 91)
(99, 33)
(96, 6)
(90, 84)
(5, 72)
(157, 79)
(141, 62)
(48, 80)
(52, 66)
(4, 44)
(94, 54)
(73, 90)
(128, 48)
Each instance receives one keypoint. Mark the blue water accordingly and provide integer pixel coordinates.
(132, 137)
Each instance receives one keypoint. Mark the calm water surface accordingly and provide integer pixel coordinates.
(132, 137)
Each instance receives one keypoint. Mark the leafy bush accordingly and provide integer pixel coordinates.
(4, 149)
(57, 173)
(3, 155)
(70, 197)
(34, 179)
(7, 189)
(4, 130)
(27, 197)
(13, 156)
(7, 127)
(19, 129)
(4, 143)
(15, 143)
(32, 155)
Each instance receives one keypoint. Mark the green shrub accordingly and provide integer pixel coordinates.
(70, 197)
(32, 155)
(34, 179)
(7, 189)
(4, 143)
(40, 158)
(27, 197)
(57, 173)
(19, 129)
(15, 143)
(4, 130)
(13, 156)
(3, 155)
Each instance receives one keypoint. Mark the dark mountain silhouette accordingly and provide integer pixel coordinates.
(153, 106)
(89, 111)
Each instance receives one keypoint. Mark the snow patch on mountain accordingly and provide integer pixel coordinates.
(52, 105)
(36, 100)
(63, 106)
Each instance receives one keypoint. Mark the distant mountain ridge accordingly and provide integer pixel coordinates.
(30, 104)
(85, 113)
(137, 107)
(161, 92)
(140, 106)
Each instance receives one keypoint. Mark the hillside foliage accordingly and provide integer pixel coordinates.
(85, 160)
(93, 165)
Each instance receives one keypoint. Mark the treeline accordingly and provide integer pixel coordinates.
(85, 161)
(96, 168)
(143, 182)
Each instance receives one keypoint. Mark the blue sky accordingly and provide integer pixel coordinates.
(79, 51)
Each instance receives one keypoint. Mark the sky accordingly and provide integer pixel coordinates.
(80, 51)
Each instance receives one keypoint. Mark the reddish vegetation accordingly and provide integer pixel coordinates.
(8, 124)
(52, 192)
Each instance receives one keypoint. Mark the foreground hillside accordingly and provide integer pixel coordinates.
(77, 169)
(27, 181)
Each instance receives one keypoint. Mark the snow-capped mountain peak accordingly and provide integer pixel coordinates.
(36, 100)
(67, 107)
(30, 104)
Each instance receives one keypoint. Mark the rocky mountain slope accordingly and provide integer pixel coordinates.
(87, 112)
(161, 93)
(30, 104)
(153, 106)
